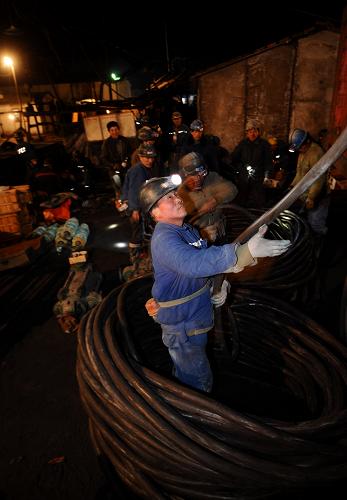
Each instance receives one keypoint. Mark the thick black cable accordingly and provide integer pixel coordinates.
(298, 454)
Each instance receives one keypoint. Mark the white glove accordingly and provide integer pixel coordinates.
(261, 247)
(219, 298)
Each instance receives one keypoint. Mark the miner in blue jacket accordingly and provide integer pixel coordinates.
(182, 264)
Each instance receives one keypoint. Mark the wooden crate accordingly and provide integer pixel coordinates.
(10, 195)
(16, 223)
(16, 194)
(9, 208)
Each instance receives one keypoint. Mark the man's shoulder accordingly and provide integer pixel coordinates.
(214, 179)
(136, 170)
(223, 189)
(316, 149)
(165, 231)
(312, 155)
(123, 138)
(260, 142)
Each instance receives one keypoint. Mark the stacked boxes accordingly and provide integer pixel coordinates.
(14, 213)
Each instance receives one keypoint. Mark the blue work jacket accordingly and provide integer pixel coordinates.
(182, 264)
(136, 176)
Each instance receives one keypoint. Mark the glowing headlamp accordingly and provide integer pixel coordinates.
(250, 170)
(176, 179)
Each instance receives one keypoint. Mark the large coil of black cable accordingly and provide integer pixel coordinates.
(292, 276)
(274, 425)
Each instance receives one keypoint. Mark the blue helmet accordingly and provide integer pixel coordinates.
(297, 139)
(197, 125)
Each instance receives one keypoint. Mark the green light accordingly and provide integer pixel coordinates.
(115, 77)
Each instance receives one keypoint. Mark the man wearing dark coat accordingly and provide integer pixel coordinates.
(252, 164)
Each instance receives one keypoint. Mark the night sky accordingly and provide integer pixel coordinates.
(65, 41)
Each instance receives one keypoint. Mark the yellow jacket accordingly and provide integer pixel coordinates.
(305, 162)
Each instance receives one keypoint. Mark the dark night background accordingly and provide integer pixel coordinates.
(71, 41)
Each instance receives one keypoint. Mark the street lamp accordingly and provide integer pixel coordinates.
(9, 63)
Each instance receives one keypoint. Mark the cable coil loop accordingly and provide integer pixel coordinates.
(166, 440)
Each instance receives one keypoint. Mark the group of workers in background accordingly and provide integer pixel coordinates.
(260, 170)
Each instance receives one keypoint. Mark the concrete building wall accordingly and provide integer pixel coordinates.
(289, 85)
(269, 79)
(314, 81)
(222, 102)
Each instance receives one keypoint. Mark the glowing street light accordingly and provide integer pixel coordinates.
(9, 63)
(115, 77)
